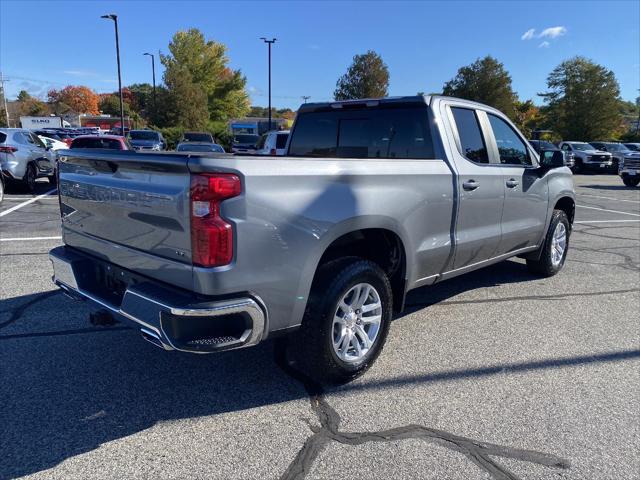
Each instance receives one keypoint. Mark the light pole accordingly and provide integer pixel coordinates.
(115, 22)
(153, 69)
(4, 98)
(305, 98)
(269, 43)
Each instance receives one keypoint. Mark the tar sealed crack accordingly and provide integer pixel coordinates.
(479, 452)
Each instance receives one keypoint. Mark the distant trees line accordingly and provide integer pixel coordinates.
(201, 92)
(582, 101)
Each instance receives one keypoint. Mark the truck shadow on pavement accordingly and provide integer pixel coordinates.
(66, 392)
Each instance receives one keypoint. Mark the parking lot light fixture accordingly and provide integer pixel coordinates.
(269, 43)
(114, 17)
(153, 72)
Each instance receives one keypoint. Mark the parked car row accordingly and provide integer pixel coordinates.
(597, 156)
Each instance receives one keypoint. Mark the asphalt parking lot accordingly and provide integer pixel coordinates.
(497, 374)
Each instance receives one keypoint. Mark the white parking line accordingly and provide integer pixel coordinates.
(26, 239)
(611, 211)
(608, 221)
(24, 204)
(609, 198)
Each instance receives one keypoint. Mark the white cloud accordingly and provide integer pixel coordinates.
(528, 35)
(80, 73)
(544, 44)
(553, 32)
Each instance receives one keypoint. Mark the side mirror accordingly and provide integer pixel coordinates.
(551, 159)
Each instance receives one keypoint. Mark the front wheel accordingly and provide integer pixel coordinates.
(555, 247)
(346, 321)
(631, 181)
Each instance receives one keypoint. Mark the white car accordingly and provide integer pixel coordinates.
(53, 144)
(273, 143)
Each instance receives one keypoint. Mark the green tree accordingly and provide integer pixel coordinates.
(187, 102)
(30, 106)
(366, 77)
(207, 75)
(583, 100)
(485, 81)
(110, 105)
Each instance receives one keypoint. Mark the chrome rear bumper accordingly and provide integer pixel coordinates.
(166, 317)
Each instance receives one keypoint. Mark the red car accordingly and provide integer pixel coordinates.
(108, 142)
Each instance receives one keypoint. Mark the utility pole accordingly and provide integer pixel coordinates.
(305, 98)
(4, 97)
(153, 70)
(115, 22)
(269, 43)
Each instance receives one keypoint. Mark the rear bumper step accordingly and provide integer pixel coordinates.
(167, 318)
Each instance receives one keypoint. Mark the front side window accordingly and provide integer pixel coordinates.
(471, 139)
(262, 141)
(511, 148)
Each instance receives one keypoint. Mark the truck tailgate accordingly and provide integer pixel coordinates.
(128, 202)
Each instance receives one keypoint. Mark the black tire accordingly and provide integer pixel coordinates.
(311, 347)
(52, 179)
(577, 167)
(631, 182)
(30, 178)
(544, 266)
(1, 190)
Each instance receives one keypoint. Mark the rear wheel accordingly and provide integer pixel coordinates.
(346, 321)
(631, 181)
(30, 178)
(556, 245)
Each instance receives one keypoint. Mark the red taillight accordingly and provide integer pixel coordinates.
(211, 235)
(273, 151)
(68, 141)
(4, 149)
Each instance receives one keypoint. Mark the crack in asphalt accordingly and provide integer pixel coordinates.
(18, 311)
(57, 333)
(477, 451)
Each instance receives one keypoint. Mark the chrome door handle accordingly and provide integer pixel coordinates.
(470, 185)
(512, 183)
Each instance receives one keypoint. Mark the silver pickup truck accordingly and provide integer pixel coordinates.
(207, 252)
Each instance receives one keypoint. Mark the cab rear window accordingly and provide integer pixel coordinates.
(363, 133)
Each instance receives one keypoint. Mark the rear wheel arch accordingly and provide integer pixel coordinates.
(382, 246)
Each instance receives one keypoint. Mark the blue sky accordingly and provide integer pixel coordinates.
(51, 44)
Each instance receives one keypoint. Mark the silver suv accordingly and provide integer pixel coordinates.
(24, 158)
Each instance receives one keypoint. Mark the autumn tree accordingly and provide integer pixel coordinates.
(78, 99)
(199, 68)
(485, 81)
(527, 117)
(583, 100)
(366, 77)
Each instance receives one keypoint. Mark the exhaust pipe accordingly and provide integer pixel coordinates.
(152, 337)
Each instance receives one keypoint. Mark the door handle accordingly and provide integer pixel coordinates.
(512, 183)
(470, 185)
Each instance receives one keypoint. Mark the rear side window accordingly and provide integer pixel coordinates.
(471, 139)
(281, 140)
(315, 135)
(511, 148)
(3, 137)
(363, 133)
